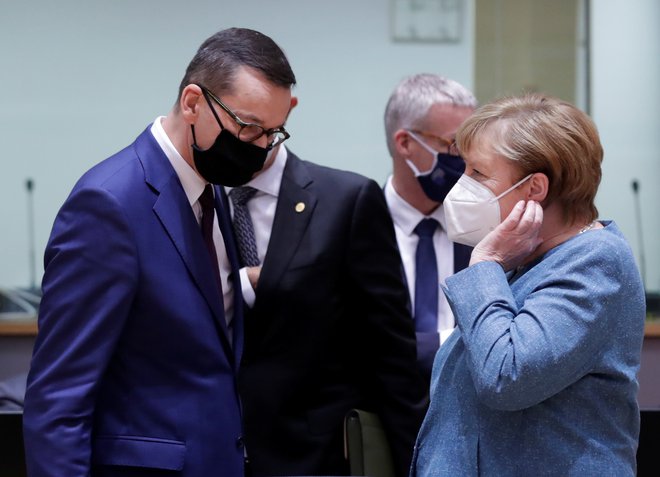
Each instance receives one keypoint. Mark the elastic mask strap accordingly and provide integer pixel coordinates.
(428, 148)
(511, 188)
(423, 144)
(206, 97)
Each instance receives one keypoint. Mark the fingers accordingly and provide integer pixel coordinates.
(524, 216)
(514, 239)
(531, 221)
(530, 216)
(513, 219)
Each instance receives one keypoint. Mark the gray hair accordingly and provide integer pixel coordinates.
(413, 97)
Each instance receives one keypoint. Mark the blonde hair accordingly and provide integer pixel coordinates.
(543, 134)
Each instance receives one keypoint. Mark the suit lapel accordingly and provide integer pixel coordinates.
(174, 212)
(295, 206)
(222, 210)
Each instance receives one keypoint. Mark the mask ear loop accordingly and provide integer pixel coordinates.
(217, 118)
(208, 101)
(511, 188)
(429, 149)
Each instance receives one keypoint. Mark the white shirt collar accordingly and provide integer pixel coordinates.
(270, 180)
(404, 215)
(193, 184)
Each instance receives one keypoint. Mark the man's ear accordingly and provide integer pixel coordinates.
(294, 103)
(538, 187)
(401, 140)
(189, 104)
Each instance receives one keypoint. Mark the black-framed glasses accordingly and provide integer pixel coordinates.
(447, 144)
(250, 132)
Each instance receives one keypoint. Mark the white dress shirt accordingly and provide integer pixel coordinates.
(406, 218)
(193, 186)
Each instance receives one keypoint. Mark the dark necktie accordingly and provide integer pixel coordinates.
(426, 278)
(208, 213)
(243, 227)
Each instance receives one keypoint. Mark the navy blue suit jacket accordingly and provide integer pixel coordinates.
(132, 367)
(329, 329)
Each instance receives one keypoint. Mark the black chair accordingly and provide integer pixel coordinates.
(12, 455)
(648, 462)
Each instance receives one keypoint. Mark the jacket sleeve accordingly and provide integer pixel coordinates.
(521, 352)
(89, 280)
(382, 298)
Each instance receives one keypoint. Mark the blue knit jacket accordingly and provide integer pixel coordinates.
(539, 378)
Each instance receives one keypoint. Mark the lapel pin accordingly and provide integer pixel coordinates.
(300, 206)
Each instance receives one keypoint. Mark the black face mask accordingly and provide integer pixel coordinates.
(229, 161)
(442, 177)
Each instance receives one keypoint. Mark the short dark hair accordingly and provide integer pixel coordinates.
(215, 64)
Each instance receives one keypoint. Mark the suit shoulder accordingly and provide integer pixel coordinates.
(114, 170)
(334, 176)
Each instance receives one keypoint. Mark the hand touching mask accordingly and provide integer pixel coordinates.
(472, 210)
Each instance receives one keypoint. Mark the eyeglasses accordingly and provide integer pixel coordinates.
(448, 145)
(250, 132)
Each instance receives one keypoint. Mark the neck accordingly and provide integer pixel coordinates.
(405, 184)
(180, 136)
(555, 231)
(558, 238)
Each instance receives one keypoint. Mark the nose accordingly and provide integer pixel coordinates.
(263, 141)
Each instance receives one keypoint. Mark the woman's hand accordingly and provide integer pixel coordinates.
(514, 239)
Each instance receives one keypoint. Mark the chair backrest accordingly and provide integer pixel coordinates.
(12, 455)
(649, 443)
(366, 446)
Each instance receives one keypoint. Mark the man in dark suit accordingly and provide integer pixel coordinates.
(421, 118)
(141, 322)
(327, 327)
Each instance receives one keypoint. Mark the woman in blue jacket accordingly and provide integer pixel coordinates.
(539, 378)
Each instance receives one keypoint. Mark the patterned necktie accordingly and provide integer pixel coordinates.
(208, 214)
(247, 244)
(426, 278)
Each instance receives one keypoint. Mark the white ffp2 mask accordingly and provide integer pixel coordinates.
(472, 210)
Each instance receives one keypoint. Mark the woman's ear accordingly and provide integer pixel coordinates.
(538, 187)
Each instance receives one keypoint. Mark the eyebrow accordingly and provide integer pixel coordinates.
(245, 116)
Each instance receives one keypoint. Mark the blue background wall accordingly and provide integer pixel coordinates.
(80, 79)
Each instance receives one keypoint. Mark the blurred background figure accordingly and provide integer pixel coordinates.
(421, 119)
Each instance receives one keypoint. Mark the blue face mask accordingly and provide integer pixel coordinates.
(443, 174)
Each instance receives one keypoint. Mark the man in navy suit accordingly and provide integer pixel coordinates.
(135, 366)
(421, 118)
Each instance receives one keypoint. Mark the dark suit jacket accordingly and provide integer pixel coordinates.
(132, 370)
(329, 329)
(429, 343)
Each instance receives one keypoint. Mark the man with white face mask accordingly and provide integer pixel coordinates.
(421, 119)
